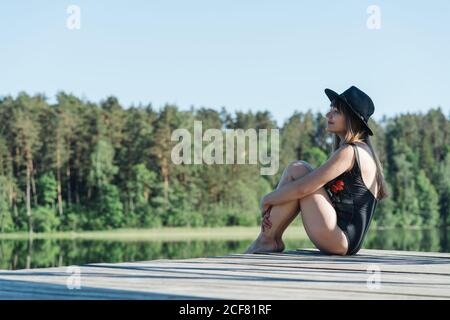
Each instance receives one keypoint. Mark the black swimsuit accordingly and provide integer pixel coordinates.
(354, 204)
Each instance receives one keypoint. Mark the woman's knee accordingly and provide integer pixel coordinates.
(299, 168)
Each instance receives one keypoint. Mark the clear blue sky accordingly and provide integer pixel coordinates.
(259, 55)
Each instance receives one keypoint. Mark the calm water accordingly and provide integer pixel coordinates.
(20, 254)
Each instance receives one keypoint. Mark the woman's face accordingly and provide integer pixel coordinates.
(335, 121)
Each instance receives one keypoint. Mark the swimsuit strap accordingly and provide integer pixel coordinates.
(357, 156)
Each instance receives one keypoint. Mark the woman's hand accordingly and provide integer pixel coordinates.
(265, 212)
(266, 224)
(265, 206)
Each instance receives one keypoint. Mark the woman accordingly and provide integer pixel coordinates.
(337, 200)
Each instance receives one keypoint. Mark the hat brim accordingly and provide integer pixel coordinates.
(332, 95)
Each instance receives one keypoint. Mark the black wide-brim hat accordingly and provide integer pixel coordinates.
(357, 101)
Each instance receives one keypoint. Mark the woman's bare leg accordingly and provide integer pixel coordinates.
(289, 211)
(270, 239)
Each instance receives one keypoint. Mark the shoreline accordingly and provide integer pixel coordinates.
(174, 233)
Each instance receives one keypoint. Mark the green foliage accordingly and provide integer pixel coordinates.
(148, 218)
(109, 207)
(76, 218)
(45, 220)
(384, 215)
(245, 208)
(141, 183)
(6, 221)
(47, 188)
(428, 200)
(102, 168)
(443, 186)
(315, 156)
(216, 216)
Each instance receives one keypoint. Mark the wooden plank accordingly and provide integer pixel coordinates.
(295, 274)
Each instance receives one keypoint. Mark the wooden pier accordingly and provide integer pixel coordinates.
(293, 274)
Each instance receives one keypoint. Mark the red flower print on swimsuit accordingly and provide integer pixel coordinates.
(338, 185)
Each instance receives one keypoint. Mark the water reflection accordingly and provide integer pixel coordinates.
(40, 253)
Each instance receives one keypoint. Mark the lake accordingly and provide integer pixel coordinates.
(56, 251)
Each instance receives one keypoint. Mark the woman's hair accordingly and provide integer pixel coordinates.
(356, 132)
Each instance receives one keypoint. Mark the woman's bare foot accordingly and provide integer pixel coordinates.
(258, 246)
(280, 245)
(263, 245)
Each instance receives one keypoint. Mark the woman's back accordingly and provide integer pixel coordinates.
(368, 168)
(353, 201)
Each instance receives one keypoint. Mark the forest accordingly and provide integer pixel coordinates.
(78, 165)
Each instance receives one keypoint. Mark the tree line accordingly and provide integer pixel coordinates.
(79, 165)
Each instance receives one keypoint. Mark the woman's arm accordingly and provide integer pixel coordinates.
(338, 163)
(287, 192)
